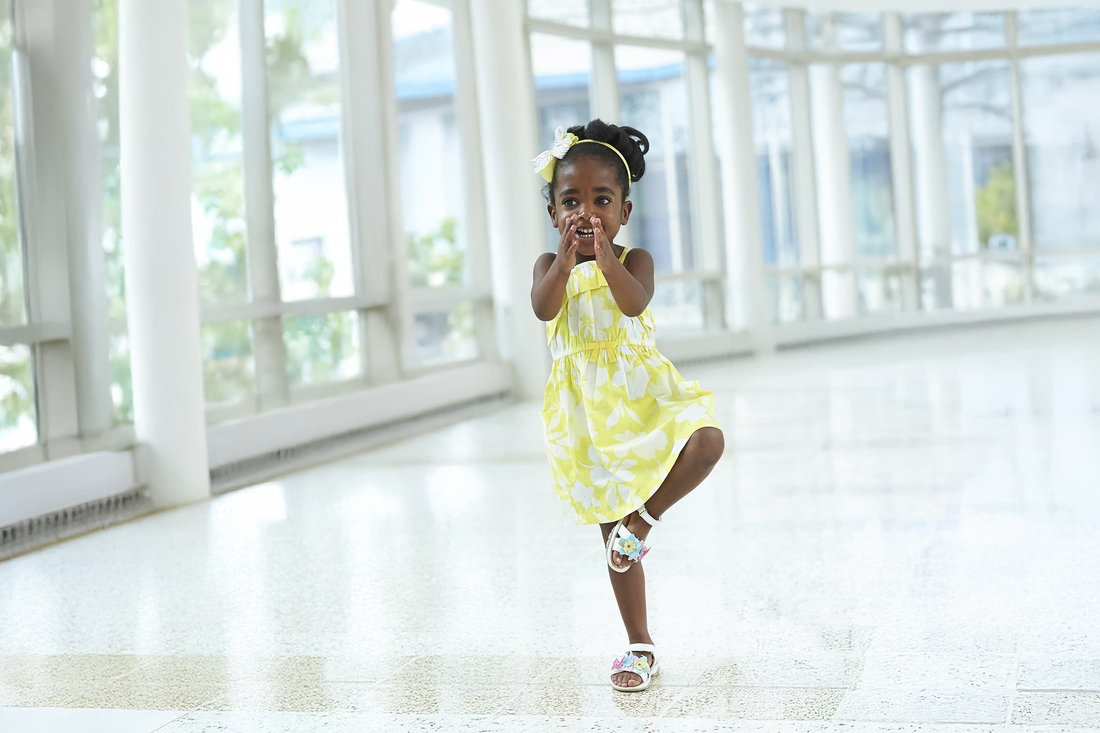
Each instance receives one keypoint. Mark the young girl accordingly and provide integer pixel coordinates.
(627, 436)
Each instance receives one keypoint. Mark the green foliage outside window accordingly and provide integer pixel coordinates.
(16, 374)
(996, 204)
(435, 259)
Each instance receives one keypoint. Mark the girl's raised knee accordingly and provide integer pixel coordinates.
(708, 445)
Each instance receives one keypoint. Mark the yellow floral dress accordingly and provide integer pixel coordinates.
(616, 412)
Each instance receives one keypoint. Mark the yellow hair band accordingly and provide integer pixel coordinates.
(547, 160)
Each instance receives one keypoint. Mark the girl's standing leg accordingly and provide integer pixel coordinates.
(694, 464)
(629, 590)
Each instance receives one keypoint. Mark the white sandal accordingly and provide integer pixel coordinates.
(623, 541)
(636, 664)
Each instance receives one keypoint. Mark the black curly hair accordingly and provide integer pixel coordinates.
(628, 141)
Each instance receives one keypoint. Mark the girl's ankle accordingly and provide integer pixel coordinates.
(637, 526)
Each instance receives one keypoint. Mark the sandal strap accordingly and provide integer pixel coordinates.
(632, 664)
(648, 648)
(649, 518)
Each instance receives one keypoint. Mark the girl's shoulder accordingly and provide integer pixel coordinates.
(543, 262)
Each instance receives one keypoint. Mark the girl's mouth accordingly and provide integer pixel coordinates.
(586, 233)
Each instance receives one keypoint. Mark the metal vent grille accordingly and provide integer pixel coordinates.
(39, 531)
(260, 468)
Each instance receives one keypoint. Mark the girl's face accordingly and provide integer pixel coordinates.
(588, 187)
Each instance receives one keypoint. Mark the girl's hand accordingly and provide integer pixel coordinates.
(605, 253)
(566, 258)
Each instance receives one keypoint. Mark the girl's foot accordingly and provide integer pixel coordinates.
(632, 680)
(637, 527)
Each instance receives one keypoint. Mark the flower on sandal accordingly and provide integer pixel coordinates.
(631, 548)
(630, 662)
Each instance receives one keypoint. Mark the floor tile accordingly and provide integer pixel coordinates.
(1065, 674)
(758, 703)
(64, 720)
(1057, 708)
(924, 706)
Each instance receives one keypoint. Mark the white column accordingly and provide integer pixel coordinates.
(931, 169)
(44, 179)
(263, 256)
(506, 101)
(473, 180)
(802, 165)
(87, 285)
(1024, 240)
(161, 275)
(901, 159)
(969, 191)
(705, 191)
(672, 181)
(370, 125)
(777, 178)
(834, 190)
(604, 96)
(746, 303)
(604, 101)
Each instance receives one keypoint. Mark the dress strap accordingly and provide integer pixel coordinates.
(622, 257)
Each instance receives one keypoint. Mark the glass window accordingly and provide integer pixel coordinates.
(977, 137)
(844, 31)
(445, 336)
(771, 109)
(563, 73)
(866, 122)
(878, 292)
(677, 306)
(311, 209)
(321, 349)
(784, 298)
(654, 100)
(654, 18)
(18, 416)
(930, 32)
(217, 167)
(1062, 133)
(976, 102)
(429, 144)
(569, 12)
(764, 26)
(1062, 277)
(12, 299)
(228, 369)
(980, 283)
(1058, 25)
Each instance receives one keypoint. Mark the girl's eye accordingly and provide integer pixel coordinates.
(603, 201)
(569, 202)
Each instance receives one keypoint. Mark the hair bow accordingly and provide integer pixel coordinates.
(548, 159)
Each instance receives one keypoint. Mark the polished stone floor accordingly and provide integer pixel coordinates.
(904, 535)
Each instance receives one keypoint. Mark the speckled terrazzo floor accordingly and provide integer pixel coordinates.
(912, 529)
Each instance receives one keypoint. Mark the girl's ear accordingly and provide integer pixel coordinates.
(628, 206)
(553, 215)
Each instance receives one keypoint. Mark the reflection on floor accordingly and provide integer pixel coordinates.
(903, 532)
